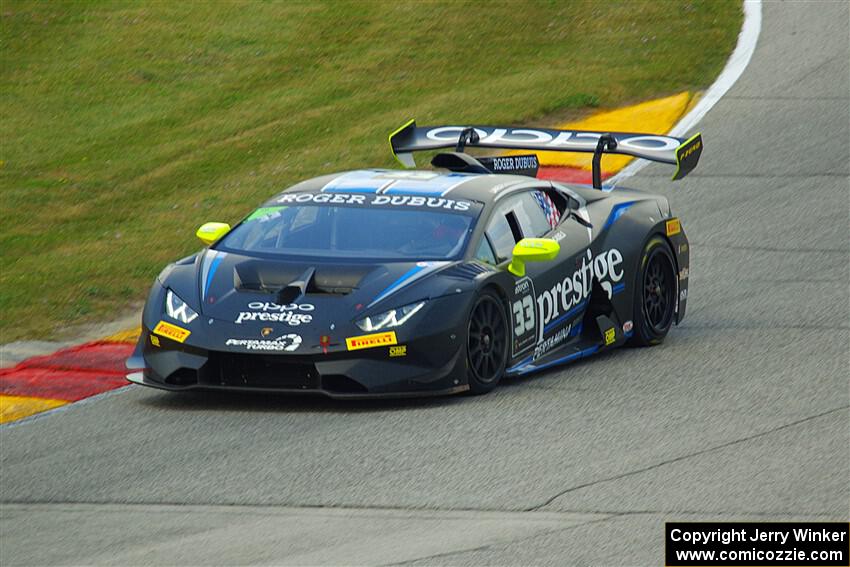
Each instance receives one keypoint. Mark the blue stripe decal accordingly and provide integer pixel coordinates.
(433, 187)
(398, 283)
(566, 315)
(618, 288)
(617, 212)
(526, 368)
(519, 364)
(213, 267)
(576, 329)
(580, 354)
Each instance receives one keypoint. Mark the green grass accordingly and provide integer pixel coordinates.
(124, 126)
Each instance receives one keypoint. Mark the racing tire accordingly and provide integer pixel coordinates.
(486, 343)
(655, 295)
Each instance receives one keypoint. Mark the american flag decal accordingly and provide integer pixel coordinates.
(549, 208)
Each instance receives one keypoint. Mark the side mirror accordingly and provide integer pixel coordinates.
(532, 250)
(212, 231)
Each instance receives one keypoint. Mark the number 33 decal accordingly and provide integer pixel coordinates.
(524, 315)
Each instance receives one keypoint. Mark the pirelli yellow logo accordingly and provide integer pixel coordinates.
(371, 341)
(610, 336)
(673, 227)
(172, 332)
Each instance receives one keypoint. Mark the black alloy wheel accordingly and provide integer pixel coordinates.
(655, 300)
(487, 342)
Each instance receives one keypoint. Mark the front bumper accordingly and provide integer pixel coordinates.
(430, 365)
(139, 378)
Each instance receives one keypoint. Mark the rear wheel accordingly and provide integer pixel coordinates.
(655, 296)
(486, 343)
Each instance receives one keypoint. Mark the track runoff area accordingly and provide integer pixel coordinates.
(53, 381)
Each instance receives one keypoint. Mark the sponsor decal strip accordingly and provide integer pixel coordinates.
(288, 342)
(371, 341)
(570, 293)
(293, 314)
(172, 332)
(651, 146)
(552, 342)
(348, 198)
(265, 213)
(572, 331)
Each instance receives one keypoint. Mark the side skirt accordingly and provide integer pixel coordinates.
(582, 346)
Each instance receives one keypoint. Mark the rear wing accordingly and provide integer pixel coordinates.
(683, 153)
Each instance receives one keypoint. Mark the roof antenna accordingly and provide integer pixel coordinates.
(606, 142)
(467, 136)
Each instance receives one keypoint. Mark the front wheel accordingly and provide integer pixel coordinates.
(655, 295)
(486, 343)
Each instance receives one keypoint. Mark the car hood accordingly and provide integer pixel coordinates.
(245, 289)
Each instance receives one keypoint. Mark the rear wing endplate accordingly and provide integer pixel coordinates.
(683, 153)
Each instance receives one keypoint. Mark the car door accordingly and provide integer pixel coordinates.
(534, 213)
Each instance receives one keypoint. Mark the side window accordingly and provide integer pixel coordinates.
(561, 201)
(528, 215)
(501, 235)
(485, 252)
(538, 213)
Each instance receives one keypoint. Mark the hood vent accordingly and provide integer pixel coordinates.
(295, 289)
(259, 276)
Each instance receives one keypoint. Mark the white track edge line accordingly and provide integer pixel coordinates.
(738, 61)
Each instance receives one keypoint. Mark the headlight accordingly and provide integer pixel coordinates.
(177, 309)
(388, 319)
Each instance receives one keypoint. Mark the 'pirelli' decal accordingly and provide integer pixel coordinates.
(172, 332)
(371, 341)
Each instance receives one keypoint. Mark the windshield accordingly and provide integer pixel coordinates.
(353, 232)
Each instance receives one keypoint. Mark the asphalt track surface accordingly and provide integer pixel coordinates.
(741, 414)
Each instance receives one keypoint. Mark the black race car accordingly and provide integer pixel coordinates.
(408, 283)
